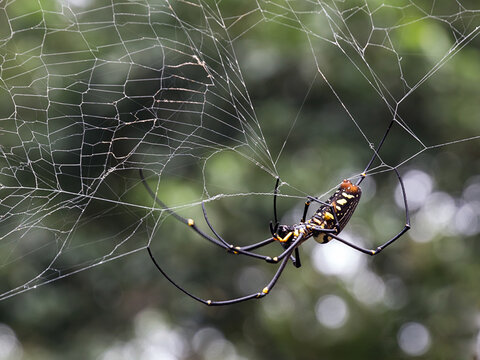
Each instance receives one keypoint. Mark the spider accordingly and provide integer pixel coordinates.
(326, 224)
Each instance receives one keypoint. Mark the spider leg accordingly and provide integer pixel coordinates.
(257, 295)
(273, 228)
(275, 193)
(384, 245)
(211, 227)
(291, 247)
(257, 245)
(296, 260)
(313, 198)
(191, 223)
(239, 249)
(305, 210)
(296, 257)
(274, 234)
(371, 251)
(332, 211)
(375, 153)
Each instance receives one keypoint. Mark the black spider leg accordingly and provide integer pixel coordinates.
(336, 227)
(296, 259)
(273, 228)
(305, 209)
(245, 249)
(255, 245)
(375, 153)
(240, 250)
(223, 244)
(383, 246)
(257, 295)
(284, 256)
(297, 262)
(275, 193)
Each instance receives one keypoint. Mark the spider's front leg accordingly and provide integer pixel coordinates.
(220, 242)
(274, 230)
(245, 250)
(238, 249)
(191, 223)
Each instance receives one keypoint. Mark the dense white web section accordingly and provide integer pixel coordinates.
(93, 91)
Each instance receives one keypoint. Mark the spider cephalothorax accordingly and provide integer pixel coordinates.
(326, 224)
(284, 232)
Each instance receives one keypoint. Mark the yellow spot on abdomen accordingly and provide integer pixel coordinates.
(348, 196)
(328, 216)
(342, 201)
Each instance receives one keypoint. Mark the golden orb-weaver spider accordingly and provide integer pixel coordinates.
(326, 224)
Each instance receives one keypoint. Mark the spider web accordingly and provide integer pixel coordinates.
(91, 92)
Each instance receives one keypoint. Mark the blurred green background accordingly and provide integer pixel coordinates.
(213, 100)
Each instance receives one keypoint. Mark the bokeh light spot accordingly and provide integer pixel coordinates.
(467, 219)
(9, 346)
(414, 339)
(338, 259)
(369, 288)
(332, 311)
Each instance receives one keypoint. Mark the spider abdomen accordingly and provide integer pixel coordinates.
(337, 212)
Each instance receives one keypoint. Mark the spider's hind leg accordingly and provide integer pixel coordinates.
(406, 227)
(257, 295)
